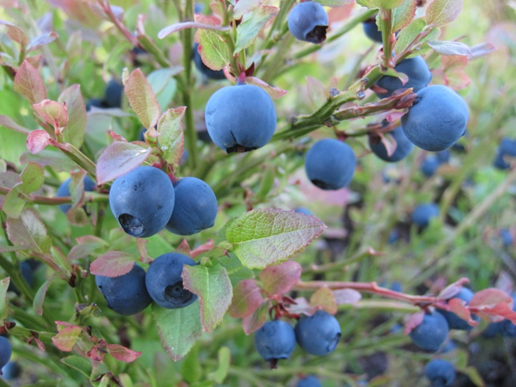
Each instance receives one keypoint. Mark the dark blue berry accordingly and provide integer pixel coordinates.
(440, 373)
(403, 146)
(309, 381)
(318, 334)
(431, 333)
(6, 351)
(164, 281)
(423, 213)
(455, 322)
(64, 190)
(209, 73)
(113, 94)
(275, 340)
(430, 165)
(308, 21)
(416, 69)
(371, 30)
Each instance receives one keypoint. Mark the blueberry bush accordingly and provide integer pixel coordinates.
(250, 193)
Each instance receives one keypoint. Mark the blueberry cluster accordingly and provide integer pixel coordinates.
(145, 201)
(317, 335)
(131, 293)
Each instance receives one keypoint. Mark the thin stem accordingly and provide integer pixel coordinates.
(106, 7)
(36, 199)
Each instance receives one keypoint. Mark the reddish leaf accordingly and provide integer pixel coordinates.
(15, 33)
(339, 14)
(37, 140)
(118, 159)
(273, 92)
(112, 264)
(61, 324)
(66, 338)
(247, 297)
(414, 321)
(184, 248)
(489, 298)
(502, 309)
(346, 296)
(10, 124)
(121, 353)
(254, 321)
(452, 289)
(29, 83)
(442, 12)
(96, 353)
(481, 50)
(86, 246)
(40, 344)
(202, 248)
(324, 299)
(142, 99)
(52, 112)
(280, 278)
(457, 306)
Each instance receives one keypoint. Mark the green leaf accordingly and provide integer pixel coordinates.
(335, 3)
(403, 15)
(4, 310)
(213, 287)
(268, 236)
(213, 49)
(178, 329)
(40, 296)
(142, 99)
(252, 24)
(32, 178)
(450, 48)
(74, 132)
(79, 363)
(191, 369)
(369, 3)
(442, 12)
(29, 231)
(390, 4)
(224, 359)
(408, 34)
(236, 271)
(14, 203)
(171, 141)
(245, 6)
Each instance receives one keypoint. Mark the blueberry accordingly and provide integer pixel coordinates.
(416, 69)
(430, 165)
(6, 351)
(443, 156)
(506, 236)
(142, 201)
(240, 118)
(308, 22)
(195, 207)
(318, 334)
(303, 210)
(125, 294)
(431, 333)
(209, 73)
(164, 281)
(330, 164)
(113, 94)
(371, 30)
(423, 213)
(441, 373)
(507, 147)
(499, 162)
(275, 340)
(64, 190)
(493, 330)
(11, 370)
(309, 381)
(437, 119)
(394, 236)
(403, 146)
(455, 322)
(96, 102)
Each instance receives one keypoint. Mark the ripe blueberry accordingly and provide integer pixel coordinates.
(330, 164)
(318, 334)
(125, 294)
(113, 94)
(403, 146)
(441, 373)
(142, 201)
(164, 281)
(64, 190)
(195, 207)
(506, 236)
(308, 22)
(209, 73)
(499, 162)
(371, 30)
(309, 381)
(455, 322)
(96, 102)
(11, 370)
(443, 156)
(431, 333)
(416, 69)
(275, 340)
(423, 213)
(437, 119)
(240, 118)
(6, 351)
